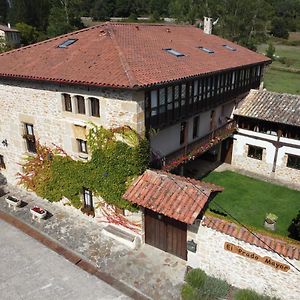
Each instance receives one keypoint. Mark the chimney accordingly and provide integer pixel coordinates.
(8, 25)
(207, 25)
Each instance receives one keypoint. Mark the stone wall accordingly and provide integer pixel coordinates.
(239, 270)
(41, 104)
(264, 167)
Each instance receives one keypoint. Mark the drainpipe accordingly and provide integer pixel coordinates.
(279, 134)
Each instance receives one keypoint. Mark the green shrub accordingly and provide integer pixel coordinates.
(199, 286)
(196, 278)
(250, 295)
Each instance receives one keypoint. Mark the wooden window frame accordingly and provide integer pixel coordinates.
(80, 105)
(82, 146)
(255, 155)
(2, 163)
(29, 138)
(87, 202)
(291, 164)
(95, 107)
(196, 127)
(67, 101)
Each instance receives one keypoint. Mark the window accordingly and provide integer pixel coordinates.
(182, 132)
(67, 102)
(173, 52)
(82, 146)
(229, 48)
(293, 162)
(209, 51)
(29, 138)
(162, 100)
(2, 164)
(87, 198)
(95, 107)
(80, 105)
(154, 103)
(255, 152)
(195, 127)
(67, 43)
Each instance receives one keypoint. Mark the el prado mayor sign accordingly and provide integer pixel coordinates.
(266, 260)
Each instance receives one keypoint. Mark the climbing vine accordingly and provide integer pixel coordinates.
(118, 156)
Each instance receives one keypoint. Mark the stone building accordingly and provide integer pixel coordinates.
(268, 138)
(175, 84)
(10, 36)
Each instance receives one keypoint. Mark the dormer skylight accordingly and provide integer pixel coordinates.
(173, 52)
(229, 48)
(67, 43)
(206, 50)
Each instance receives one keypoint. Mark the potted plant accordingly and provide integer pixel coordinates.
(270, 221)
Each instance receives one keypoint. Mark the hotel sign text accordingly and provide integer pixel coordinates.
(251, 255)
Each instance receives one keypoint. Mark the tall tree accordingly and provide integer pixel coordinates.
(3, 11)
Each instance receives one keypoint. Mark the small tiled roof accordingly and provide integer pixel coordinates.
(7, 29)
(174, 196)
(126, 56)
(271, 106)
(262, 241)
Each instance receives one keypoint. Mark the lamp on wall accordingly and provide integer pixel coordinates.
(5, 143)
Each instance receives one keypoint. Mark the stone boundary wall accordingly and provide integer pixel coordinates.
(243, 271)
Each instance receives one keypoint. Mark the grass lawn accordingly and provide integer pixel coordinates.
(282, 82)
(248, 200)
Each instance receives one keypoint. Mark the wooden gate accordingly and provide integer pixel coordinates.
(226, 150)
(166, 234)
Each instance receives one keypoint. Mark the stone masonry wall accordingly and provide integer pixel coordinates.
(42, 105)
(241, 271)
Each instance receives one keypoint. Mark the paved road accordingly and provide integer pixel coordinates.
(30, 271)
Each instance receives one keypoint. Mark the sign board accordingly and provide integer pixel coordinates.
(251, 255)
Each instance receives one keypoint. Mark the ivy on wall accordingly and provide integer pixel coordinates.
(118, 156)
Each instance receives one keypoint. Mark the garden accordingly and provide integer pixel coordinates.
(248, 201)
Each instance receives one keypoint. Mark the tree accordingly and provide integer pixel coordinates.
(4, 46)
(270, 51)
(58, 24)
(3, 11)
(279, 28)
(29, 34)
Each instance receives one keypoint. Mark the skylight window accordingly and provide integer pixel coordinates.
(206, 50)
(67, 43)
(229, 48)
(174, 52)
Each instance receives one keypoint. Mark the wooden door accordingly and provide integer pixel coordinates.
(226, 154)
(166, 234)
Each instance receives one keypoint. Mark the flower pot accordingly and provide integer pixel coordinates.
(270, 225)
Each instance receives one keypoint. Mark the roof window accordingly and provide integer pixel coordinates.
(206, 50)
(173, 52)
(67, 43)
(229, 48)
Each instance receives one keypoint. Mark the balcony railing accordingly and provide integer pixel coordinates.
(196, 148)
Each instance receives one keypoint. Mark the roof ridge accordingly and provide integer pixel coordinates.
(126, 67)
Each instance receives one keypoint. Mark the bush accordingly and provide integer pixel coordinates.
(250, 295)
(199, 286)
(196, 278)
(294, 228)
(279, 28)
(270, 51)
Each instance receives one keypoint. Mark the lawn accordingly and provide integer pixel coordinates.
(282, 82)
(248, 200)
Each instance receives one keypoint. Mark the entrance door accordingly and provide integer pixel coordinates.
(226, 154)
(166, 234)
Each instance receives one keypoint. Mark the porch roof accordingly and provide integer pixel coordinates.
(177, 197)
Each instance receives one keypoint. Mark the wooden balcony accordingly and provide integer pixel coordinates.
(196, 148)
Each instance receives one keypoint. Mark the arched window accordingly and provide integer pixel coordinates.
(95, 109)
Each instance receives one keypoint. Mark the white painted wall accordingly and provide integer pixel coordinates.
(264, 166)
(167, 140)
(240, 271)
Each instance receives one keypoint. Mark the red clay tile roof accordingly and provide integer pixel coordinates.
(174, 196)
(271, 106)
(263, 241)
(125, 55)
